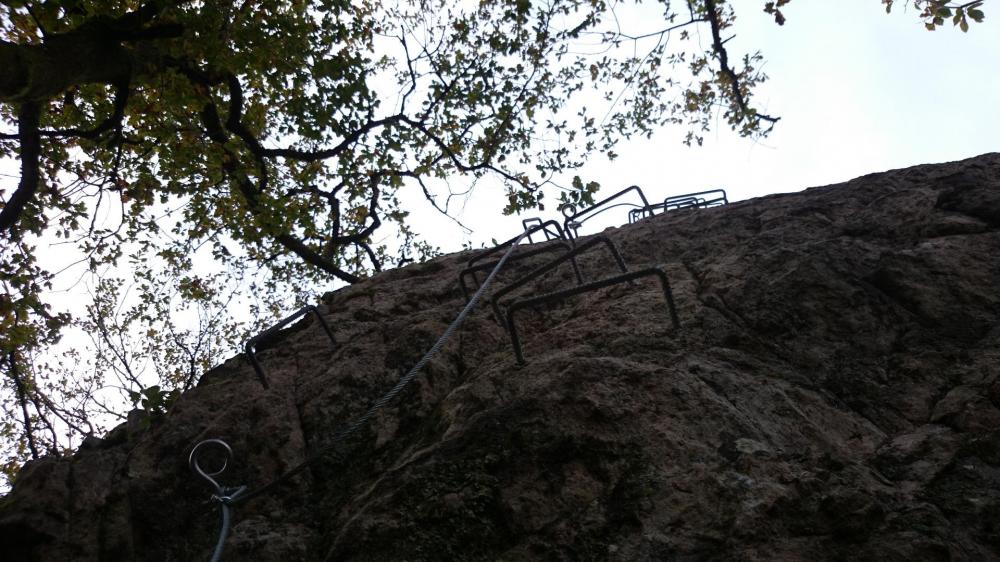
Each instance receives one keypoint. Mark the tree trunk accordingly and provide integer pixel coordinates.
(37, 73)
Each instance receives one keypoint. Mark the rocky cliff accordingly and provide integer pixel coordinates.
(832, 393)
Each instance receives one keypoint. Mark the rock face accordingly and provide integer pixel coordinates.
(833, 393)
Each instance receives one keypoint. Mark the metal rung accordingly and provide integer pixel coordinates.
(538, 272)
(471, 271)
(715, 198)
(571, 214)
(561, 295)
(549, 235)
(529, 231)
(249, 347)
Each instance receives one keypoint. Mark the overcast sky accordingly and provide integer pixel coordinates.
(858, 91)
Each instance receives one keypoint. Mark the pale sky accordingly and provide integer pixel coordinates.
(858, 91)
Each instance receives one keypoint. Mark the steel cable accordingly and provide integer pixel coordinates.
(357, 424)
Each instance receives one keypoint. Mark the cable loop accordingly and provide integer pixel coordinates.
(198, 450)
(225, 496)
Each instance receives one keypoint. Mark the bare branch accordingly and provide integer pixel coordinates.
(60, 413)
(119, 354)
(376, 265)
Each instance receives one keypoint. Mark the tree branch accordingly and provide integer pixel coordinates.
(235, 125)
(312, 257)
(114, 120)
(22, 400)
(360, 235)
(53, 444)
(34, 18)
(31, 146)
(251, 194)
(718, 46)
(448, 153)
(371, 256)
(65, 416)
(314, 155)
(120, 355)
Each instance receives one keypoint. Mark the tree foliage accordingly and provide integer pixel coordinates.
(242, 154)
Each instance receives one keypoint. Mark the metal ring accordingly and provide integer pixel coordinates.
(196, 467)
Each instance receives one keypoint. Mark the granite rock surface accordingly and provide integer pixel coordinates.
(833, 393)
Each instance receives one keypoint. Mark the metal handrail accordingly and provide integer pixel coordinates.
(702, 202)
(249, 347)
